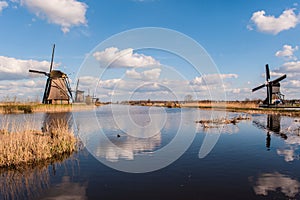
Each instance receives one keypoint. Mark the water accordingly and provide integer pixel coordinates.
(254, 159)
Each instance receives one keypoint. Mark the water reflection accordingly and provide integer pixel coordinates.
(285, 127)
(274, 182)
(29, 182)
(272, 125)
(109, 136)
(126, 147)
(50, 118)
(67, 189)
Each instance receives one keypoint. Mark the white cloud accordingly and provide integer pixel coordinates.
(287, 52)
(212, 79)
(3, 4)
(292, 70)
(291, 67)
(22, 89)
(152, 74)
(16, 69)
(116, 58)
(270, 24)
(133, 74)
(66, 13)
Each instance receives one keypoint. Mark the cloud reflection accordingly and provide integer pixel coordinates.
(127, 147)
(287, 153)
(66, 190)
(269, 182)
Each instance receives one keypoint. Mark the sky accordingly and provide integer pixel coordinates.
(239, 37)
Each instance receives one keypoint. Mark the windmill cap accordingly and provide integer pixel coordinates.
(57, 74)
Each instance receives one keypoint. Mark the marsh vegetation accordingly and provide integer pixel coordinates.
(21, 144)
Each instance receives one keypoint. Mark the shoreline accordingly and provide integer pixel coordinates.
(27, 108)
(245, 107)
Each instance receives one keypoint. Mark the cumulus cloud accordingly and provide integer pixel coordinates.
(16, 69)
(291, 67)
(212, 79)
(66, 13)
(287, 52)
(152, 74)
(273, 25)
(3, 4)
(22, 89)
(116, 58)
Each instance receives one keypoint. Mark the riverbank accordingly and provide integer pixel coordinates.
(15, 108)
(21, 145)
(244, 107)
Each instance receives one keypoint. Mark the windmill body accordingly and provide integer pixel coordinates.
(57, 89)
(274, 96)
(79, 94)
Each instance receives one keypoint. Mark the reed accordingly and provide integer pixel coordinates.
(22, 145)
(12, 108)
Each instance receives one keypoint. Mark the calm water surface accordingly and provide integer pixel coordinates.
(254, 159)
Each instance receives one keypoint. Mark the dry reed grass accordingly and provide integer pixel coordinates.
(229, 104)
(9, 108)
(20, 144)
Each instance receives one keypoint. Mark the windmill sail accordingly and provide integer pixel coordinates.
(267, 73)
(259, 87)
(279, 79)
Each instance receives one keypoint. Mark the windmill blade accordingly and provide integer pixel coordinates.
(259, 87)
(47, 91)
(39, 72)
(51, 65)
(267, 72)
(278, 79)
(69, 88)
(269, 94)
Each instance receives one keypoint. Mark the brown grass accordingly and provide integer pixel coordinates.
(20, 145)
(9, 108)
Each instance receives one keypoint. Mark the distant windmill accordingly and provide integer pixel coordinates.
(79, 94)
(57, 89)
(273, 89)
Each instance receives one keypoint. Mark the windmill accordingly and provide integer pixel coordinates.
(274, 95)
(57, 89)
(79, 94)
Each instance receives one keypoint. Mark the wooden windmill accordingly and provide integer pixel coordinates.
(274, 96)
(57, 89)
(79, 94)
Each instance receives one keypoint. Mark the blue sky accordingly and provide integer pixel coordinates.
(240, 36)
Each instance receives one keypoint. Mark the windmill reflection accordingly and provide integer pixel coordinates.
(50, 118)
(273, 125)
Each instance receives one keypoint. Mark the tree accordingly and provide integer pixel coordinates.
(188, 98)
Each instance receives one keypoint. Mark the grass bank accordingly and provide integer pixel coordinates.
(20, 145)
(243, 106)
(12, 108)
